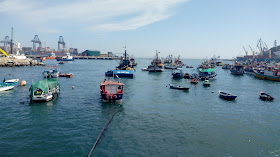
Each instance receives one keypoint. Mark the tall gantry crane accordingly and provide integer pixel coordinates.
(6, 41)
(61, 41)
(36, 40)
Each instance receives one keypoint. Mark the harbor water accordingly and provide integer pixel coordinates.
(154, 120)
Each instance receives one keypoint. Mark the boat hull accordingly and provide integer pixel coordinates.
(266, 77)
(47, 98)
(155, 69)
(227, 96)
(178, 87)
(6, 88)
(123, 73)
(112, 98)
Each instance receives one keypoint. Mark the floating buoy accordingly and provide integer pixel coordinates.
(23, 83)
(212, 91)
(73, 87)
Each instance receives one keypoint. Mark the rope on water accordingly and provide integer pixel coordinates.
(103, 131)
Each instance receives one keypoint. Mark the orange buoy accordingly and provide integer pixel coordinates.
(23, 83)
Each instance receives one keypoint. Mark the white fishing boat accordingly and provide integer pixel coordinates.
(8, 84)
(66, 57)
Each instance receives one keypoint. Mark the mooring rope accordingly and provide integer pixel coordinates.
(103, 131)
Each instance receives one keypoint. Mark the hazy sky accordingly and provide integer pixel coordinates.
(190, 28)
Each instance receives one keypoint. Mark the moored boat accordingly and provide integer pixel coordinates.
(44, 90)
(66, 57)
(265, 96)
(227, 96)
(226, 66)
(178, 87)
(62, 75)
(237, 69)
(177, 73)
(195, 80)
(156, 65)
(272, 74)
(125, 69)
(111, 91)
(52, 73)
(70, 75)
(206, 83)
(208, 73)
(8, 84)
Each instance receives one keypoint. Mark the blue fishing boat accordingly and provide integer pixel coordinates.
(208, 73)
(227, 96)
(237, 69)
(177, 73)
(125, 69)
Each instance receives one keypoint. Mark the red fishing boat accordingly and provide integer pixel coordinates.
(111, 91)
(195, 80)
(70, 75)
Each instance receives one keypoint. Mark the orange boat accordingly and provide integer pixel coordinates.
(70, 75)
(50, 57)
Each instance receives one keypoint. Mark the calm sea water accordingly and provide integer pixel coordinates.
(153, 121)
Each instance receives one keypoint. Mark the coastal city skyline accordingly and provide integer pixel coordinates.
(189, 28)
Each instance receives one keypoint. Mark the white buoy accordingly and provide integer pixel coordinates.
(23, 83)
(73, 87)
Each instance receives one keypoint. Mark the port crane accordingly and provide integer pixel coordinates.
(36, 40)
(246, 52)
(253, 52)
(61, 41)
(6, 41)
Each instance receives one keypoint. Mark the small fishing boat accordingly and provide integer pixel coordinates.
(51, 73)
(177, 73)
(265, 97)
(144, 69)
(237, 69)
(206, 83)
(227, 96)
(194, 80)
(62, 75)
(178, 87)
(70, 75)
(226, 66)
(187, 76)
(170, 66)
(8, 84)
(44, 90)
(66, 57)
(111, 91)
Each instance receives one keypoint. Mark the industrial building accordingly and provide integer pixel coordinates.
(91, 53)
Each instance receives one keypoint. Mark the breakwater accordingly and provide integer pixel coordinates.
(12, 62)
